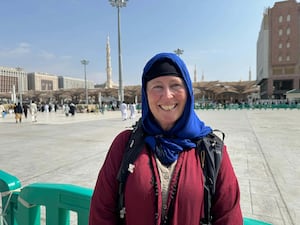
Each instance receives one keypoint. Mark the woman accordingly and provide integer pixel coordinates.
(168, 161)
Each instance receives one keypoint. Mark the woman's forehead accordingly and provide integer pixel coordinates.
(166, 78)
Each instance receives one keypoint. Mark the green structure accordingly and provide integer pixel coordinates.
(22, 205)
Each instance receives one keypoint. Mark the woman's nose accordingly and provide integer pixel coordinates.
(167, 93)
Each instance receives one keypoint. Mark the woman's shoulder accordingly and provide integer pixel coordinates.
(120, 141)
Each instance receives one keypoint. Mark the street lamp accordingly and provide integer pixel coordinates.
(119, 4)
(84, 63)
(20, 84)
(179, 51)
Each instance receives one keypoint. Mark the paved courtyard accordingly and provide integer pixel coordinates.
(264, 146)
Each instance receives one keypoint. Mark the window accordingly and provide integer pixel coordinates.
(280, 45)
(280, 58)
(288, 31)
(288, 58)
(280, 19)
(280, 32)
(288, 18)
(288, 45)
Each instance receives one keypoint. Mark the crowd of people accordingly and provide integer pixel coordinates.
(128, 111)
(24, 109)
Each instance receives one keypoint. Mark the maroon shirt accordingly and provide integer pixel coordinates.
(143, 205)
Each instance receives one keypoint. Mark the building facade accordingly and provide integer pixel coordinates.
(10, 77)
(70, 83)
(278, 50)
(42, 82)
(14, 82)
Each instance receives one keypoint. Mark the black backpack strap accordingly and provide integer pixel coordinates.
(210, 150)
(133, 148)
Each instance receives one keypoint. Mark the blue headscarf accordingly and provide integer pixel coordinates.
(188, 128)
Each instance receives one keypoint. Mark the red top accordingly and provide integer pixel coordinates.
(143, 205)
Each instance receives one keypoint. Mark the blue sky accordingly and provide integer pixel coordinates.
(52, 36)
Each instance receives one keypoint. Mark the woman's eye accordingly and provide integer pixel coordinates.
(157, 87)
(176, 86)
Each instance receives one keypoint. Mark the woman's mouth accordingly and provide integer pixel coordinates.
(168, 107)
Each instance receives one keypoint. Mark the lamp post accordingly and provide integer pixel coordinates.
(84, 63)
(119, 4)
(20, 84)
(179, 51)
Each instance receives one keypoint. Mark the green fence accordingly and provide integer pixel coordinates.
(246, 106)
(22, 205)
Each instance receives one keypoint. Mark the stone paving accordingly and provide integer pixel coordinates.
(264, 146)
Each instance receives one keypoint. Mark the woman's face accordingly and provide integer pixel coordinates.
(167, 96)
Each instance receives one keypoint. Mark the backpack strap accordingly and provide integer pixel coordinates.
(133, 148)
(210, 151)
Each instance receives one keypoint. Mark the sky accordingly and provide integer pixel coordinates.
(218, 38)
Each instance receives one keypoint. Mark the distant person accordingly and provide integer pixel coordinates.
(66, 109)
(2, 111)
(72, 109)
(46, 108)
(132, 108)
(18, 112)
(25, 109)
(123, 108)
(33, 111)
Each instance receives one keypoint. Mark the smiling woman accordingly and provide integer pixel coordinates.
(166, 183)
(166, 92)
(166, 99)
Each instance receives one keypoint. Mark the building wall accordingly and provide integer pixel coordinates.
(284, 49)
(42, 82)
(69, 83)
(262, 60)
(10, 77)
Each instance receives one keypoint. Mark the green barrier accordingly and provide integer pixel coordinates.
(248, 221)
(58, 199)
(9, 189)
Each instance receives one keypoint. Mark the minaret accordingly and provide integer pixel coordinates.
(195, 75)
(108, 65)
(202, 77)
(250, 74)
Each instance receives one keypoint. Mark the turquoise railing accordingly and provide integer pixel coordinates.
(22, 205)
(247, 106)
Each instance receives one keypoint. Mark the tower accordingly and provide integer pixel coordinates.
(250, 77)
(195, 75)
(108, 65)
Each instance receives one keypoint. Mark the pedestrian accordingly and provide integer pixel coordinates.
(123, 108)
(66, 109)
(18, 112)
(132, 108)
(72, 108)
(168, 169)
(25, 109)
(33, 111)
(2, 111)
